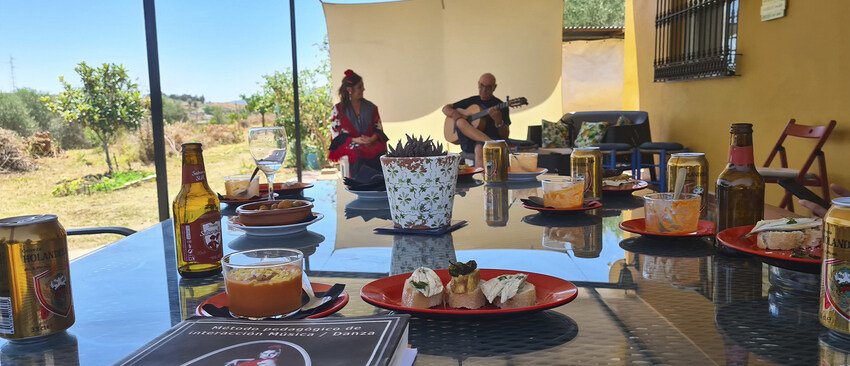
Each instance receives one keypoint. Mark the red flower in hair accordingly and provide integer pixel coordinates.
(348, 73)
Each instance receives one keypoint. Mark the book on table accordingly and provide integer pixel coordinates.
(372, 340)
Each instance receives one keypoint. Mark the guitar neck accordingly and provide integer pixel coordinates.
(484, 112)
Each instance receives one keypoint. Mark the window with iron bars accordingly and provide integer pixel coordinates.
(695, 39)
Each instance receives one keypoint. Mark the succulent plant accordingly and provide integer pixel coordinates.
(416, 147)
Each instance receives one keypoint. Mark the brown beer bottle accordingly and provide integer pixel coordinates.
(197, 219)
(740, 188)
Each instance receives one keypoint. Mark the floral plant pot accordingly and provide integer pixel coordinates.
(421, 190)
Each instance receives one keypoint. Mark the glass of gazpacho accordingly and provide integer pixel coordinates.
(262, 283)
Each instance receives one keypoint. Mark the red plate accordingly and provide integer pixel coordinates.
(638, 226)
(469, 171)
(222, 300)
(263, 196)
(636, 186)
(592, 205)
(733, 237)
(283, 189)
(551, 293)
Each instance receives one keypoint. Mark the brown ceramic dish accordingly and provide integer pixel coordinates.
(251, 215)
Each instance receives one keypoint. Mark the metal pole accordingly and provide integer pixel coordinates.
(156, 111)
(296, 104)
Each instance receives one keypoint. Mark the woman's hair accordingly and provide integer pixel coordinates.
(350, 80)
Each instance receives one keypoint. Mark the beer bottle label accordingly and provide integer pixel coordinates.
(202, 239)
(194, 173)
(835, 311)
(741, 155)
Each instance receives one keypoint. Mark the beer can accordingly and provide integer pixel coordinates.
(695, 167)
(496, 161)
(35, 280)
(496, 205)
(587, 162)
(835, 272)
(833, 349)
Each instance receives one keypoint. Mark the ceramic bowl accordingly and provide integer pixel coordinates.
(251, 215)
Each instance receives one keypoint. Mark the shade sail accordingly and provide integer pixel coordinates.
(417, 55)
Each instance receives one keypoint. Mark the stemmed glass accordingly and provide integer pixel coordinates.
(268, 147)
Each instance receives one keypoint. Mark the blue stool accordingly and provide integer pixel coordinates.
(663, 149)
(613, 150)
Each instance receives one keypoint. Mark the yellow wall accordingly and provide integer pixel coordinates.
(417, 55)
(592, 77)
(794, 67)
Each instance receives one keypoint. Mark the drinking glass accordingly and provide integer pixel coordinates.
(262, 283)
(665, 213)
(268, 147)
(565, 192)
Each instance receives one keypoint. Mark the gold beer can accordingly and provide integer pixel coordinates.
(35, 278)
(835, 272)
(496, 161)
(833, 349)
(695, 167)
(496, 205)
(587, 162)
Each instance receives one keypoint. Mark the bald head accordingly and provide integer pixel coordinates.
(486, 86)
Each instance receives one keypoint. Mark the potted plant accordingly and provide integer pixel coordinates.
(420, 177)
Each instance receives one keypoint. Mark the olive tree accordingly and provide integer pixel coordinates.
(107, 102)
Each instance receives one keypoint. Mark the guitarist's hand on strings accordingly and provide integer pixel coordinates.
(496, 115)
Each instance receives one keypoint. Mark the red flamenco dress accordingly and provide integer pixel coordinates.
(346, 125)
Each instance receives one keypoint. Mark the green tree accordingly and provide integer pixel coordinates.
(315, 101)
(258, 103)
(107, 103)
(15, 116)
(594, 13)
(173, 110)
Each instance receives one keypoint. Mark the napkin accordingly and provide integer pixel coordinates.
(334, 292)
(366, 179)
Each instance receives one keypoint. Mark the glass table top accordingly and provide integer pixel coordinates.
(641, 301)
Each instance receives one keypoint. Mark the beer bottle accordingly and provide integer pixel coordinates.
(197, 219)
(740, 188)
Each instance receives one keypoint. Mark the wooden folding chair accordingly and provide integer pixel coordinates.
(802, 175)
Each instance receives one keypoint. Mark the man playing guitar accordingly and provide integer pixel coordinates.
(472, 135)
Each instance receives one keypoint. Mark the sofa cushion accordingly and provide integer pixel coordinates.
(590, 133)
(555, 134)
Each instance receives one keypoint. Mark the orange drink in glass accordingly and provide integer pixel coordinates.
(563, 192)
(262, 283)
(523, 162)
(667, 214)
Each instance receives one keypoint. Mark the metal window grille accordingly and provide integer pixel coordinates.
(695, 39)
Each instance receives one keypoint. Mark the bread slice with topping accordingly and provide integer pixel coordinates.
(422, 290)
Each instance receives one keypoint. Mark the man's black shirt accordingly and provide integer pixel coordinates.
(467, 144)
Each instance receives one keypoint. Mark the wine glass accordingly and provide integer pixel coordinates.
(268, 147)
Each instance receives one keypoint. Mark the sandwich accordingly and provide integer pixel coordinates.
(621, 180)
(510, 291)
(463, 290)
(423, 289)
(788, 234)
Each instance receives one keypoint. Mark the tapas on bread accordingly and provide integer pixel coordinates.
(799, 242)
(465, 291)
(800, 235)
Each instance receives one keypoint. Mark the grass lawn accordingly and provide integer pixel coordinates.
(134, 207)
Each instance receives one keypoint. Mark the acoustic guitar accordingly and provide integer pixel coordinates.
(473, 115)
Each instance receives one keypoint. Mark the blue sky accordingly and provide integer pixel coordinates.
(216, 48)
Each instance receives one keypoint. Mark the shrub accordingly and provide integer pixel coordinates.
(13, 153)
(15, 116)
(97, 183)
(71, 136)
